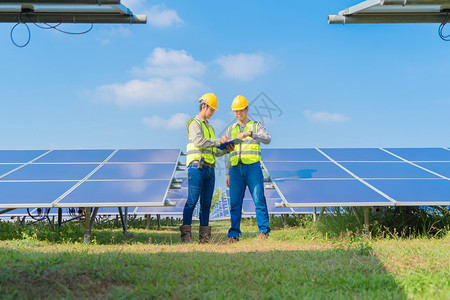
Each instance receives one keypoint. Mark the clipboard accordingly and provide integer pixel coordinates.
(232, 142)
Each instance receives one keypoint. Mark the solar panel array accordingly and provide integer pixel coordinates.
(86, 178)
(360, 176)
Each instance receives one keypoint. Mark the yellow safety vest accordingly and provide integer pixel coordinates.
(194, 153)
(249, 151)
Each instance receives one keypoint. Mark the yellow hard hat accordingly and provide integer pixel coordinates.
(210, 99)
(239, 103)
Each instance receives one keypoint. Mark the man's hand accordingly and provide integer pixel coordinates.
(223, 139)
(243, 135)
(227, 181)
(230, 148)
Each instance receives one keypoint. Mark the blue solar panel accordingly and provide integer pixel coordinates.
(51, 172)
(116, 193)
(358, 154)
(146, 155)
(75, 156)
(387, 170)
(292, 155)
(19, 156)
(416, 191)
(29, 194)
(164, 210)
(134, 171)
(329, 193)
(305, 170)
(441, 168)
(422, 154)
(6, 168)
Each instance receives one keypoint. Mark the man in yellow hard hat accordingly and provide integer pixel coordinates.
(244, 169)
(201, 159)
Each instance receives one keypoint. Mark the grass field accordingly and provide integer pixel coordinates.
(293, 263)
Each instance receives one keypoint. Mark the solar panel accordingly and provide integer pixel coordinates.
(19, 156)
(305, 170)
(416, 192)
(53, 172)
(86, 178)
(359, 154)
(387, 170)
(280, 155)
(442, 168)
(7, 168)
(393, 11)
(366, 176)
(134, 171)
(75, 156)
(421, 154)
(31, 194)
(146, 155)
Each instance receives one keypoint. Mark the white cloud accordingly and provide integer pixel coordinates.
(218, 125)
(153, 90)
(159, 16)
(168, 62)
(243, 66)
(325, 117)
(176, 121)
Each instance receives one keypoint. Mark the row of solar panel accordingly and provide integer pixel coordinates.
(360, 177)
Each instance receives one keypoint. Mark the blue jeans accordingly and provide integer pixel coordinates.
(200, 184)
(240, 177)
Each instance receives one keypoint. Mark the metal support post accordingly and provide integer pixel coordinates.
(59, 217)
(87, 225)
(94, 215)
(158, 216)
(147, 224)
(366, 221)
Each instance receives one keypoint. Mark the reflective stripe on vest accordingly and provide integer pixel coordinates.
(194, 153)
(249, 151)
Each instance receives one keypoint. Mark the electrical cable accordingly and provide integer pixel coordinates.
(441, 28)
(12, 37)
(47, 26)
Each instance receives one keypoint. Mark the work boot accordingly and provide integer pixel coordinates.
(204, 234)
(185, 234)
(231, 240)
(263, 236)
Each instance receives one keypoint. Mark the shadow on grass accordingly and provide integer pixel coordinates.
(195, 274)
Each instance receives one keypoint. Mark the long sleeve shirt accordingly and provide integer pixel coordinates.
(195, 133)
(261, 135)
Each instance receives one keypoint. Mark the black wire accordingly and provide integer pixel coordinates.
(47, 26)
(68, 32)
(12, 37)
(441, 29)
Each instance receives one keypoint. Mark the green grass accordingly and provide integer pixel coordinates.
(294, 263)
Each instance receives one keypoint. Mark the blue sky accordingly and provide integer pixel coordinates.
(122, 86)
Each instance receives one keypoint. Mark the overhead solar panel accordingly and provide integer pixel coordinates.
(393, 11)
(6, 168)
(75, 11)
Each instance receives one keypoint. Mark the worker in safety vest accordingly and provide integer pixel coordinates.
(201, 160)
(244, 169)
